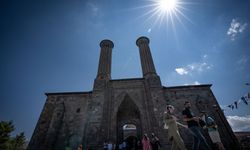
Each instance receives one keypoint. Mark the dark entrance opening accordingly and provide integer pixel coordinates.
(132, 143)
(128, 123)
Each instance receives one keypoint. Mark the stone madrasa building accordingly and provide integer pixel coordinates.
(122, 109)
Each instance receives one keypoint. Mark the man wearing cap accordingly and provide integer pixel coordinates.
(193, 125)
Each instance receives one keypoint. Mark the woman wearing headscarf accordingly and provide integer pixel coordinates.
(173, 132)
(146, 142)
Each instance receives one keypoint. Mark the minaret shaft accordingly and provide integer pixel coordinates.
(147, 63)
(104, 68)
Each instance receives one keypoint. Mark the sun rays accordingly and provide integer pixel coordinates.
(165, 12)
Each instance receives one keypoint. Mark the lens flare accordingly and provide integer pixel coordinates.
(167, 5)
(158, 12)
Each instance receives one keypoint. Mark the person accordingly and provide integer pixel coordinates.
(145, 142)
(110, 145)
(139, 145)
(120, 146)
(105, 146)
(79, 147)
(173, 132)
(124, 145)
(155, 143)
(212, 129)
(193, 125)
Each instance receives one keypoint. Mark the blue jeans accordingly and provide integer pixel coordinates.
(198, 138)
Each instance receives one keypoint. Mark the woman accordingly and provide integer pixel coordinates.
(173, 132)
(146, 142)
(212, 129)
(155, 142)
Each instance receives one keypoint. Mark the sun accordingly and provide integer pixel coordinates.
(168, 12)
(167, 5)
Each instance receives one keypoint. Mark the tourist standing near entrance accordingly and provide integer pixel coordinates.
(146, 142)
(105, 146)
(193, 125)
(212, 130)
(155, 142)
(173, 132)
(79, 147)
(110, 145)
(124, 145)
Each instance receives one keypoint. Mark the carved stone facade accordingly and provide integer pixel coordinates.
(90, 118)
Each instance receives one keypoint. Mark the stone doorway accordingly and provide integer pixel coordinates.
(132, 143)
(129, 126)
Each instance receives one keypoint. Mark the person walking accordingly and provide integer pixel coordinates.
(155, 142)
(212, 129)
(173, 133)
(146, 142)
(193, 125)
(105, 146)
(124, 145)
(110, 145)
(79, 147)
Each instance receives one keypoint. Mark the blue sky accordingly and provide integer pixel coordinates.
(53, 46)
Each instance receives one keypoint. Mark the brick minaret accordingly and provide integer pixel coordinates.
(147, 63)
(104, 68)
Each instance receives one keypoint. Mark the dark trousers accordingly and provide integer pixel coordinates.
(198, 138)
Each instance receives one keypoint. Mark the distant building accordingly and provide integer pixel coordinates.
(244, 139)
(91, 118)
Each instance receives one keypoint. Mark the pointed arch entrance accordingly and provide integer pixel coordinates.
(129, 126)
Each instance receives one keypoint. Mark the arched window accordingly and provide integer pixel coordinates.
(129, 127)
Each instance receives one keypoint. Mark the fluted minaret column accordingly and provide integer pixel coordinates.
(147, 63)
(104, 68)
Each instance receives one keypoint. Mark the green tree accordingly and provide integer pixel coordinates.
(19, 141)
(5, 129)
(6, 141)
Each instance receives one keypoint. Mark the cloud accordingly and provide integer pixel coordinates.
(239, 123)
(194, 67)
(194, 83)
(243, 60)
(236, 28)
(93, 7)
(181, 71)
(204, 56)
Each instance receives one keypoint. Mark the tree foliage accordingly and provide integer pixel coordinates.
(6, 141)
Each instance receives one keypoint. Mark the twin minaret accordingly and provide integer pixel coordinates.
(147, 64)
(104, 68)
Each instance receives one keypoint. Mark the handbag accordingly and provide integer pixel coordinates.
(165, 126)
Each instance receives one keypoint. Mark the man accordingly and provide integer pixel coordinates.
(193, 125)
(212, 130)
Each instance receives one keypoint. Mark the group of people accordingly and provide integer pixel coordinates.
(146, 143)
(150, 144)
(110, 146)
(195, 124)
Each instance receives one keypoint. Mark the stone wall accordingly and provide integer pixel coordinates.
(90, 118)
(62, 121)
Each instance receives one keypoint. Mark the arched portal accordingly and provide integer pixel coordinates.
(128, 121)
(132, 143)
